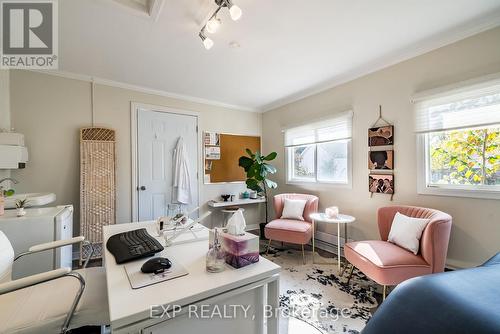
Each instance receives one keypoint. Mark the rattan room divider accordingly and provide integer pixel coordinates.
(97, 186)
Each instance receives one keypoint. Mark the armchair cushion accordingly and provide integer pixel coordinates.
(384, 262)
(294, 209)
(42, 308)
(289, 230)
(406, 232)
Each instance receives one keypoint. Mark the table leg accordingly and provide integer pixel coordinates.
(273, 291)
(345, 241)
(338, 246)
(313, 223)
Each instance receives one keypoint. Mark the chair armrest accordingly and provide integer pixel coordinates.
(33, 280)
(55, 244)
(50, 245)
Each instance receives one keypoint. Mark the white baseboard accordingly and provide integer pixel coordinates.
(328, 242)
(252, 227)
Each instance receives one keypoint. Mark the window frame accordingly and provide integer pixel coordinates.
(425, 188)
(314, 181)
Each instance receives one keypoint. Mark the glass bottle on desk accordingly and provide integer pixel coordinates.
(215, 256)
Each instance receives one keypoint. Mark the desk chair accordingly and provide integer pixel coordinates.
(54, 301)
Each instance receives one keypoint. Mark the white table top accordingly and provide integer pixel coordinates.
(341, 219)
(236, 202)
(127, 305)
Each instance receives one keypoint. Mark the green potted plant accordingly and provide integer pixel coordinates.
(20, 205)
(257, 170)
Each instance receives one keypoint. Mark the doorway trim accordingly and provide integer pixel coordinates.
(134, 109)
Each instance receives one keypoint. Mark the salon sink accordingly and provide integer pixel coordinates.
(34, 199)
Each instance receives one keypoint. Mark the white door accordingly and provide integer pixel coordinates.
(158, 133)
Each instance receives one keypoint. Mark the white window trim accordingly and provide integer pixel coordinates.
(423, 187)
(315, 181)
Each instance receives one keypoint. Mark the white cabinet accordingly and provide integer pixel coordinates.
(40, 225)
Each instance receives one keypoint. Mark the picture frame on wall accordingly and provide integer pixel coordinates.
(381, 183)
(381, 136)
(381, 160)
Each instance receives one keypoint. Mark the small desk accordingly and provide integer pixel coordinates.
(129, 310)
(341, 219)
(237, 202)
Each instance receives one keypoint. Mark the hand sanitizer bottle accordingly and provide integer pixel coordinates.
(215, 256)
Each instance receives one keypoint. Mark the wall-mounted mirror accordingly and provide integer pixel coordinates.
(222, 151)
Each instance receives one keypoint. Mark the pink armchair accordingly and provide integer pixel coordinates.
(389, 264)
(289, 230)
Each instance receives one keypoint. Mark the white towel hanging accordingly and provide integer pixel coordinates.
(181, 179)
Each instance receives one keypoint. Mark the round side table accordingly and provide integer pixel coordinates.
(341, 219)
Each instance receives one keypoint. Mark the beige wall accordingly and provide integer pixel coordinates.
(476, 229)
(49, 110)
(4, 109)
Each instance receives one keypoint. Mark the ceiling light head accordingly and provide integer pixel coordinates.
(207, 42)
(235, 12)
(213, 25)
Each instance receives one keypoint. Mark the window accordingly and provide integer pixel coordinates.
(459, 142)
(320, 152)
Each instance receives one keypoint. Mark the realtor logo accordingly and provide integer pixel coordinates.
(29, 34)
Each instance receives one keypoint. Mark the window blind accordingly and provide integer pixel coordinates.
(335, 128)
(467, 107)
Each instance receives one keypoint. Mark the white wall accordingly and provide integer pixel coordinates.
(476, 222)
(4, 109)
(49, 110)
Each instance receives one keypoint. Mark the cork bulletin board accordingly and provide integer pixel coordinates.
(224, 167)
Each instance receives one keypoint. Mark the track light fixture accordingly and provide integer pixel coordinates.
(214, 23)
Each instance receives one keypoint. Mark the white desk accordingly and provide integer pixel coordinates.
(236, 202)
(129, 310)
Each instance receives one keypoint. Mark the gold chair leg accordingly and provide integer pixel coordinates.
(303, 255)
(268, 245)
(350, 274)
(384, 293)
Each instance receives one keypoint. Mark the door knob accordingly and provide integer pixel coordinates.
(142, 188)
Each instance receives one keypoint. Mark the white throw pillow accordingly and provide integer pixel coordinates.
(406, 232)
(294, 209)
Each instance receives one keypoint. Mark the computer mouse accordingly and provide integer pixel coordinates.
(156, 265)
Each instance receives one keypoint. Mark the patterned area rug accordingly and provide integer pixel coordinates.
(317, 295)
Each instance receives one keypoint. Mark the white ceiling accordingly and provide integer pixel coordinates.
(289, 49)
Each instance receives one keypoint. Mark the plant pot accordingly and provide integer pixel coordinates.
(262, 234)
(20, 212)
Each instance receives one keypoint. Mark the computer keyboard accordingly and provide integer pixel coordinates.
(132, 245)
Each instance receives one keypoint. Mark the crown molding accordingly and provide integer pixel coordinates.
(142, 89)
(437, 41)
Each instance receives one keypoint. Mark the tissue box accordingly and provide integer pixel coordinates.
(241, 250)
